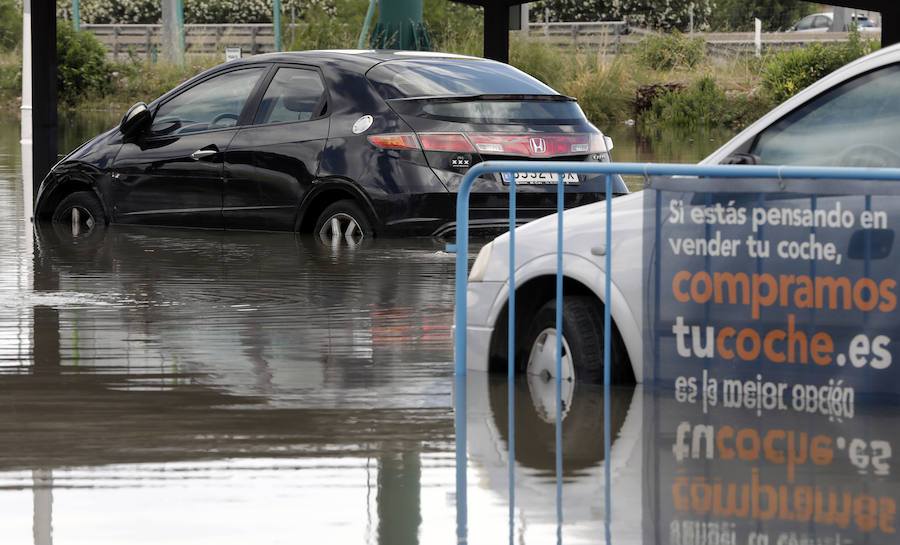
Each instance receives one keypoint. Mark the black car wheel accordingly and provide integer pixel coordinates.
(82, 211)
(582, 342)
(343, 222)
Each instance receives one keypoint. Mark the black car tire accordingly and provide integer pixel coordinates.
(582, 330)
(343, 221)
(90, 211)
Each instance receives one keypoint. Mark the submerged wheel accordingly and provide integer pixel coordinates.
(582, 343)
(82, 211)
(343, 222)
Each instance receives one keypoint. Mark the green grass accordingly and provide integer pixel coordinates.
(143, 81)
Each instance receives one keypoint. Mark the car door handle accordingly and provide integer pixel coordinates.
(201, 153)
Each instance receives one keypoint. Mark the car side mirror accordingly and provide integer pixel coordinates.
(136, 120)
(742, 159)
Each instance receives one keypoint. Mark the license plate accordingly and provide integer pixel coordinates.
(539, 178)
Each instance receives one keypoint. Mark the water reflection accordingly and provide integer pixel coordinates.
(165, 385)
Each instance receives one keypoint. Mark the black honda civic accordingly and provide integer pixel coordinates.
(344, 144)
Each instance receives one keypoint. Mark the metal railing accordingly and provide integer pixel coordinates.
(147, 40)
(462, 246)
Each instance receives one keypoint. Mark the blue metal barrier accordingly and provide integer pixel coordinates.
(609, 170)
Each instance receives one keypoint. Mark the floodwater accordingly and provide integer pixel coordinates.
(188, 386)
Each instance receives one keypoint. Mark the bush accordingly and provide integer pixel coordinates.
(704, 104)
(334, 25)
(11, 78)
(604, 90)
(195, 11)
(82, 69)
(669, 51)
(454, 27)
(540, 60)
(674, 14)
(10, 25)
(134, 81)
(791, 71)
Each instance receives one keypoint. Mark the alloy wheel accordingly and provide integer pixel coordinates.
(341, 227)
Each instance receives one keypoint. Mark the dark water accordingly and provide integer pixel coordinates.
(186, 386)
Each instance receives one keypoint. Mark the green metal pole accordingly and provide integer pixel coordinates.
(76, 15)
(276, 17)
(400, 26)
(365, 28)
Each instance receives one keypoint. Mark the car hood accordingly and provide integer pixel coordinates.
(584, 230)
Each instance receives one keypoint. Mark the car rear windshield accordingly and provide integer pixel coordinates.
(511, 109)
(463, 77)
(487, 91)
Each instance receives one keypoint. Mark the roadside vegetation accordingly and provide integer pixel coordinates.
(666, 80)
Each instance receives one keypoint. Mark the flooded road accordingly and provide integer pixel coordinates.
(189, 386)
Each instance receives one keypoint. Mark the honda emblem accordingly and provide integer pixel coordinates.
(538, 146)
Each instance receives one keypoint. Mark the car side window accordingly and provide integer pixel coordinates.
(821, 22)
(294, 94)
(855, 124)
(805, 23)
(214, 104)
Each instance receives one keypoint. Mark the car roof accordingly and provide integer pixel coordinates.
(358, 56)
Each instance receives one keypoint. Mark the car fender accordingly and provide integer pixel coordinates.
(587, 273)
(323, 185)
(61, 176)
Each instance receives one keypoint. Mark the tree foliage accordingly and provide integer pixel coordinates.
(738, 15)
(675, 14)
(660, 14)
(791, 71)
(195, 11)
(10, 24)
(82, 69)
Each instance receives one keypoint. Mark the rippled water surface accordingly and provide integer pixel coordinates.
(189, 386)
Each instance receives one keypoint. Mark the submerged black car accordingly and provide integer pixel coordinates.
(345, 144)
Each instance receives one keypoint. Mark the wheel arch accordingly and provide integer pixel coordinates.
(57, 188)
(325, 193)
(536, 289)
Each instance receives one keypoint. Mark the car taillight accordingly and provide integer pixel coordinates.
(538, 145)
(395, 141)
(527, 145)
(445, 142)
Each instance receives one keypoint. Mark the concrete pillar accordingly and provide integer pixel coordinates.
(27, 126)
(496, 32)
(173, 31)
(42, 94)
(841, 21)
(890, 24)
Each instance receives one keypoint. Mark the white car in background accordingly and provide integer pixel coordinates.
(849, 118)
(822, 22)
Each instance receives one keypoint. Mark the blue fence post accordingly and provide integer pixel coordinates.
(607, 346)
(560, 202)
(511, 359)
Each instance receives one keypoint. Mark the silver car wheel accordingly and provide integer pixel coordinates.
(341, 227)
(82, 220)
(541, 375)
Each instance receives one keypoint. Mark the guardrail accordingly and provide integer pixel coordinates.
(610, 36)
(146, 40)
(607, 36)
(608, 169)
